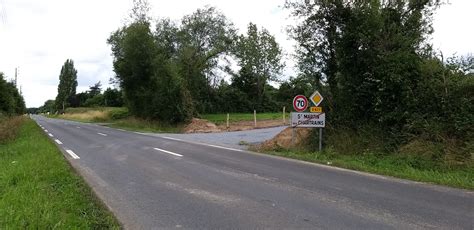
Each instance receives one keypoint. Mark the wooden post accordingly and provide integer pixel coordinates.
(284, 115)
(227, 121)
(255, 118)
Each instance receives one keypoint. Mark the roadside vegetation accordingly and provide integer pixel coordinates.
(406, 166)
(387, 91)
(38, 189)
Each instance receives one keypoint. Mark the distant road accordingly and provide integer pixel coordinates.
(152, 182)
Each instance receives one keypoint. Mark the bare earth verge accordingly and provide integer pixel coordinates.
(204, 126)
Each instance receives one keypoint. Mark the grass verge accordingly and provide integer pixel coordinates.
(236, 117)
(140, 125)
(38, 189)
(391, 165)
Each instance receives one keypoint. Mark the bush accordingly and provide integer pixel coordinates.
(9, 127)
(117, 114)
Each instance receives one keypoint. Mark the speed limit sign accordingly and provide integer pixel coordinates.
(300, 103)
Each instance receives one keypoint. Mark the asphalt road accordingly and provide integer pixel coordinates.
(157, 182)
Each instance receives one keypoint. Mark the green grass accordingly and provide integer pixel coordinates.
(140, 125)
(235, 117)
(39, 190)
(391, 165)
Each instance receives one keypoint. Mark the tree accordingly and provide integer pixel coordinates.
(146, 70)
(11, 101)
(49, 106)
(67, 84)
(259, 56)
(113, 97)
(95, 89)
(204, 38)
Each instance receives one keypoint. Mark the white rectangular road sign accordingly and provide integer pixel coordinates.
(309, 120)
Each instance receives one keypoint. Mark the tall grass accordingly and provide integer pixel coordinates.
(38, 189)
(9, 127)
(236, 117)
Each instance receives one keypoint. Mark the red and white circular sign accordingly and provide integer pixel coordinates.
(300, 103)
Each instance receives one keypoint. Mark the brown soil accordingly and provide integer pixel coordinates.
(201, 126)
(204, 126)
(283, 139)
(247, 125)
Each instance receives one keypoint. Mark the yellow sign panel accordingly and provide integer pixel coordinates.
(316, 109)
(316, 98)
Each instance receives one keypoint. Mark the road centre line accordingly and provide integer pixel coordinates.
(102, 134)
(58, 141)
(72, 154)
(210, 145)
(166, 151)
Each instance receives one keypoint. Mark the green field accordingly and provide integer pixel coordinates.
(119, 118)
(236, 117)
(39, 189)
(397, 166)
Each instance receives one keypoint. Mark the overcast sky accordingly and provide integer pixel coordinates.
(39, 35)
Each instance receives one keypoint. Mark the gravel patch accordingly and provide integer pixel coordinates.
(238, 139)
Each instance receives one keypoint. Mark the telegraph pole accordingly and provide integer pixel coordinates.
(16, 76)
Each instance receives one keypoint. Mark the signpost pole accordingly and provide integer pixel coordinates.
(320, 139)
(292, 131)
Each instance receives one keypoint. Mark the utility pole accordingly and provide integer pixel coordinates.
(16, 76)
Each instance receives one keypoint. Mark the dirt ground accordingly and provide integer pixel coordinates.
(204, 126)
(284, 139)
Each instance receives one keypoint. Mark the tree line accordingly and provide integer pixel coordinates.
(67, 96)
(373, 62)
(174, 71)
(11, 101)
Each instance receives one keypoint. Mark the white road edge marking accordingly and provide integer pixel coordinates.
(58, 141)
(166, 151)
(46, 130)
(102, 134)
(78, 127)
(210, 145)
(73, 155)
(51, 135)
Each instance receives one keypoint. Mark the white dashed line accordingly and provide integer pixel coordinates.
(166, 151)
(58, 141)
(210, 145)
(102, 134)
(73, 155)
(78, 127)
(46, 130)
(51, 135)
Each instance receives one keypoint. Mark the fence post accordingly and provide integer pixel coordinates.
(284, 115)
(227, 121)
(255, 118)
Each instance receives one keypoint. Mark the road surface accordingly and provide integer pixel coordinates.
(160, 182)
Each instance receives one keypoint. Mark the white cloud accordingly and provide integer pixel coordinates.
(38, 36)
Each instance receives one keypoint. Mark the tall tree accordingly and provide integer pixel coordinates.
(11, 101)
(95, 89)
(204, 38)
(146, 69)
(67, 84)
(259, 56)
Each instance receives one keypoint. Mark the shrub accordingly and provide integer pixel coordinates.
(117, 114)
(9, 127)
